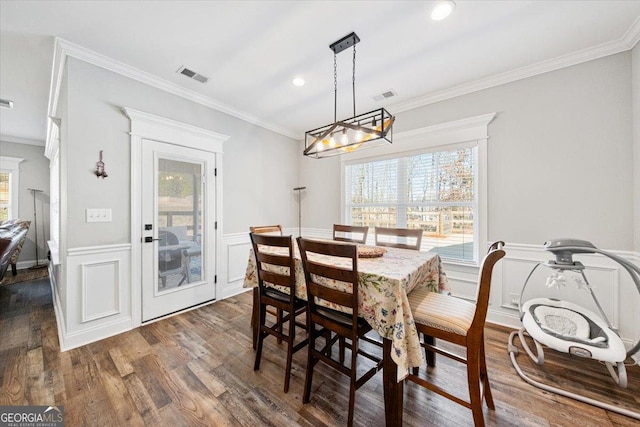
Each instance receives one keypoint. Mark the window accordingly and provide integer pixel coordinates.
(432, 182)
(5, 195)
(9, 189)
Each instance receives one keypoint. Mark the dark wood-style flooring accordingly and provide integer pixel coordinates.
(196, 368)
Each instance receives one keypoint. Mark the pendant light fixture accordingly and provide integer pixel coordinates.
(367, 130)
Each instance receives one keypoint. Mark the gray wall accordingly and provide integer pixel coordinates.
(560, 155)
(34, 173)
(260, 166)
(635, 78)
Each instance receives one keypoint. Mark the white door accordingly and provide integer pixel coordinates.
(178, 228)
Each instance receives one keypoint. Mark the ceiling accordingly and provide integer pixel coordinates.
(251, 50)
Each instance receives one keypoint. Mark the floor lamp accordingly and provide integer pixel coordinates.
(299, 190)
(35, 225)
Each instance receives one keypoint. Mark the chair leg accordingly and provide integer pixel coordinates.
(261, 336)
(255, 328)
(484, 377)
(341, 347)
(352, 385)
(279, 319)
(430, 355)
(14, 270)
(473, 379)
(308, 377)
(290, 340)
(327, 338)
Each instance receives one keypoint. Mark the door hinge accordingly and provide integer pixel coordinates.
(215, 225)
(215, 172)
(215, 278)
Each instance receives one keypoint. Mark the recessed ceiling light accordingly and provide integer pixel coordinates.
(298, 81)
(442, 9)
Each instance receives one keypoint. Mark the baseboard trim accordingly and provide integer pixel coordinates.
(23, 265)
(59, 313)
(88, 336)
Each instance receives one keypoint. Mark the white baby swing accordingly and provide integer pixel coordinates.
(570, 328)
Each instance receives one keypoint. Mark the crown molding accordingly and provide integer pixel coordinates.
(68, 49)
(20, 140)
(632, 36)
(64, 49)
(625, 43)
(471, 122)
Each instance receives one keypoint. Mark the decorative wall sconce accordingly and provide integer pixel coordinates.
(100, 172)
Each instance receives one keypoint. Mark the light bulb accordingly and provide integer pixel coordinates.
(320, 146)
(442, 10)
(344, 140)
(359, 135)
(332, 142)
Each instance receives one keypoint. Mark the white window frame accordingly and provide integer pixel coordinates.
(445, 136)
(11, 165)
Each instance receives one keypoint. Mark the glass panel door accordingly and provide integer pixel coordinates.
(178, 217)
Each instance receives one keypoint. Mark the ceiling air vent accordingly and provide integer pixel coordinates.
(192, 74)
(384, 95)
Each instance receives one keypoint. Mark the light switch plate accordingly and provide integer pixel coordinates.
(98, 215)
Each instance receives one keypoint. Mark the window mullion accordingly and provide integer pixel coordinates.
(402, 193)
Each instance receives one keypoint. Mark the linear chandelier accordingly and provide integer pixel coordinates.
(367, 130)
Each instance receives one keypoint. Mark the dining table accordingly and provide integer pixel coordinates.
(383, 285)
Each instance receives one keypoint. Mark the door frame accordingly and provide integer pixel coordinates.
(150, 126)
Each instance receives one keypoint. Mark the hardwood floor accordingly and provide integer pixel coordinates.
(197, 369)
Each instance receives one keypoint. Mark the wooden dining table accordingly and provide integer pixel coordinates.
(384, 283)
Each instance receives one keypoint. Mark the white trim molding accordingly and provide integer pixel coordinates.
(623, 44)
(65, 49)
(100, 278)
(467, 132)
(146, 126)
(632, 36)
(19, 140)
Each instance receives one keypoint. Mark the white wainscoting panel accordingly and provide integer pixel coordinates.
(236, 254)
(100, 289)
(612, 285)
(98, 294)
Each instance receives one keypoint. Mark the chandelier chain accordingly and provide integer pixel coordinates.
(335, 88)
(354, 80)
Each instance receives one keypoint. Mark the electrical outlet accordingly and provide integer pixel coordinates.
(514, 299)
(98, 215)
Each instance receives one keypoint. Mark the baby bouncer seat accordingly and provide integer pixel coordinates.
(568, 327)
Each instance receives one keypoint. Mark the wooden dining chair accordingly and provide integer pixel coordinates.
(460, 322)
(267, 229)
(345, 326)
(347, 233)
(275, 230)
(396, 237)
(285, 302)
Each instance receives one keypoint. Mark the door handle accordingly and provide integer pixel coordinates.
(150, 239)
